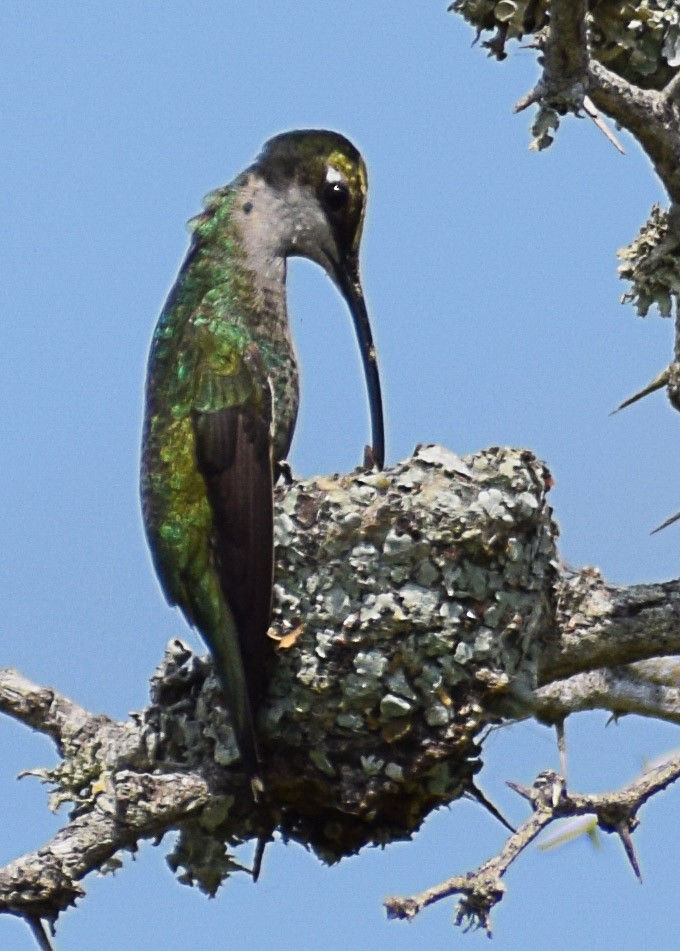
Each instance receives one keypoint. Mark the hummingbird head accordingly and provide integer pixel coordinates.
(320, 178)
(319, 182)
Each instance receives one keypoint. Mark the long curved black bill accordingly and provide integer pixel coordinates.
(347, 279)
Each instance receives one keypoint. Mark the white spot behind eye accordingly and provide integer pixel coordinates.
(333, 175)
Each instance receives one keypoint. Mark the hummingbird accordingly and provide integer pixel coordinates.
(222, 394)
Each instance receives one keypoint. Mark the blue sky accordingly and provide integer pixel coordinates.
(491, 278)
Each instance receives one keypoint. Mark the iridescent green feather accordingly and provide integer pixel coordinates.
(200, 364)
(196, 364)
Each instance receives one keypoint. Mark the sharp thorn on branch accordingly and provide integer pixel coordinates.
(262, 842)
(669, 521)
(524, 791)
(591, 111)
(623, 833)
(39, 933)
(532, 97)
(474, 793)
(662, 379)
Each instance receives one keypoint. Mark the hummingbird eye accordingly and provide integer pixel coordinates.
(335, 195)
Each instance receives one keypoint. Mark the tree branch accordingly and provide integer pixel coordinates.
(565, 59)
(570, 72)
(652, 117)
(413, 608)
(125, 808)
(622, 62)
(481, 890)
(620, 691)
(606, 625)
(43, 709)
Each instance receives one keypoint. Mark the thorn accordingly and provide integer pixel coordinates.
(662, 379)
(524, 791)
(259, 855)
(39, 933)
(624, 834)
(591, 110)
(669, 521)
(477, 794)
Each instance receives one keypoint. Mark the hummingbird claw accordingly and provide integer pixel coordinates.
(282, 470)
(370, 462)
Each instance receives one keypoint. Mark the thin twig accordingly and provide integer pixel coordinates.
(482, 889)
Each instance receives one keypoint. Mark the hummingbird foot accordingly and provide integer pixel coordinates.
(370, 462)
(282, 470)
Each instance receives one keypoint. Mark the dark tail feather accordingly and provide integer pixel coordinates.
(225, 648)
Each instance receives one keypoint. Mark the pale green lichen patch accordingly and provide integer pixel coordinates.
(393, 706)
(638, 39)
(652, 266)
(436, 575)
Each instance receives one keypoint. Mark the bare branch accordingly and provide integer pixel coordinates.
(41, 884)
(482, 889)
(620, 691)
(573, 79)
(615, 812)
(41, 708)
(671, 91)
(603, 625)
(566, 52)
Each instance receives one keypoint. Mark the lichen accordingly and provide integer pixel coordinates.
(652, 265)
(640, 41)
(407, 605)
